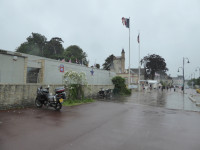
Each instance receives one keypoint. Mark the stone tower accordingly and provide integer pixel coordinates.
(123, 61)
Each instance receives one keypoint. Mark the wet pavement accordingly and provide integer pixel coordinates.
(167, 98)
(152, 120)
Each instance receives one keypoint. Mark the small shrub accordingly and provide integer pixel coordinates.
(120, 86)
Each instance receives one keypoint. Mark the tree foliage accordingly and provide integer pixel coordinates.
(37, 44)
(54, 48)
(120, 86)
(152, 64)
(76, 54)
(108, 62)
(97, 66)
(194, 81)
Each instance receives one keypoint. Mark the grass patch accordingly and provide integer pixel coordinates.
(70, 102)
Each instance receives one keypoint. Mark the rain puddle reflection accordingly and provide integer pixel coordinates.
(167, 99)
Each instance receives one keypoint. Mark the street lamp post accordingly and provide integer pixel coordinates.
(183, 72)
(179, 71)
(199, 71)
(192, 77)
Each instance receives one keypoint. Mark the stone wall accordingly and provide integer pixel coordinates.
(22, 95)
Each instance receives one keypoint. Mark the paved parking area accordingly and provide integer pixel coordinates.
(103, 125)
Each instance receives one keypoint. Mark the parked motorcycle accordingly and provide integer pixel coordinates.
(105, 93)
(45, 98)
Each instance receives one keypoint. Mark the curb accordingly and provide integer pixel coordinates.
(193, 100)
(198, 104)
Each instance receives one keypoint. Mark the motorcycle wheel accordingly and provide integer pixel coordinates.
(58, 106)
(38, 104)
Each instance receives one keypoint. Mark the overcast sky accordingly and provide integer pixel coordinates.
(169, 28)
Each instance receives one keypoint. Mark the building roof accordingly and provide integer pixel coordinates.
(117, 57)
(136, 71)
(177, 78)
(11, 53)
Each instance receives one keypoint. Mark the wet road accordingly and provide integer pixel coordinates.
(168, 99)
(140, 122)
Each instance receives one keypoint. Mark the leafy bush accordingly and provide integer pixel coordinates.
(74, 81)
(120, 86)
(75, 92)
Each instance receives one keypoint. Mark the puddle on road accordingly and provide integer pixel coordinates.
(167, 99)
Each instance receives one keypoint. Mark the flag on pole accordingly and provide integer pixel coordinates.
(76, 61)
(125, 21)
(70, 60)
(138, 38)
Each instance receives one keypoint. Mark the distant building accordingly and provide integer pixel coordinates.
(177, 81)
(118, 65)
(133, 75)
(163, 77)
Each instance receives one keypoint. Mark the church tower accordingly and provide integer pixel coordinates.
(122, 61)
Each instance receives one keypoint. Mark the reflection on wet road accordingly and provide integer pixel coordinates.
(168, 99)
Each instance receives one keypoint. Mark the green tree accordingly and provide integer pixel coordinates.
(54, 48)
(194, 81)
(35, 45)
(152, 64)
(76, 54)
(108, 62)
(97, 66)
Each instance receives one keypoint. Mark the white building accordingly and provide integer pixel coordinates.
(20, 68)
(177, 81)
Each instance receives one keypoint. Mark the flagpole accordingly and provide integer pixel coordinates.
(129, 56)
(139, 61)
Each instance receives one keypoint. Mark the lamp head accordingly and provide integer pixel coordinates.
(188, 62)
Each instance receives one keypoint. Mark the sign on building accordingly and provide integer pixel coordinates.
(61, 68)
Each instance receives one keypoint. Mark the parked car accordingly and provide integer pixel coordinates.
(198, 90)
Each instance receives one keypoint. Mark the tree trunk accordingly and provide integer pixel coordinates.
(145, 74)
(152, 75)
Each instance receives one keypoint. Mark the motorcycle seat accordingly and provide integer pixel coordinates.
(59, 89)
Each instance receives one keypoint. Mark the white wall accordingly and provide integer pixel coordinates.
(11, 71)
(53, 75)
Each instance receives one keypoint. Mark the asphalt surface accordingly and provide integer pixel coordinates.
(143, 121)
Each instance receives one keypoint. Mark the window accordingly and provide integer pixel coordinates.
(32, 75)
